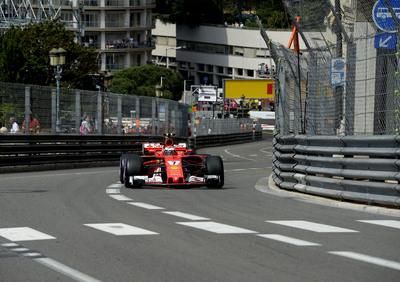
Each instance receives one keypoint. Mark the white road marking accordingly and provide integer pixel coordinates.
(387, 223)
(120, 198)
(311, 226)
(186, 215)
(34, 254)
(117, 185)
(121, 229)
(237, 156)
(23, 234)
(145, 206)
(112, 191)
(216, 227)
(66, 270)
(369, 259)
(288, 240)
(9, 245)
(20, 249)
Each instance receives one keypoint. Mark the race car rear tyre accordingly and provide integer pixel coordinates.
(122, 161)
(133, 166)
(215, 166)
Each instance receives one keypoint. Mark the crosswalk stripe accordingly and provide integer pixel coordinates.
(145, 206)
(117, 185)
(387, 223)
(369, 259)
(120, 229)
(216, 227)
(311, 226)
(23, 234)
(186, 215)
(112, 191)
(120, 197)
(289, 240)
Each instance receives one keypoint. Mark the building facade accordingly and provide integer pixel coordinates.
(120, 30)
(210, 54)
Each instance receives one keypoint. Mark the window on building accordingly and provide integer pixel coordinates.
(115, 20)
(135, 19)
(238, 51)
(90, 20)
(240, 72)
(68, 18)
(250, 73)
(112, 62)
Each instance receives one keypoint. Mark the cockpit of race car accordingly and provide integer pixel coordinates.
(170, 164)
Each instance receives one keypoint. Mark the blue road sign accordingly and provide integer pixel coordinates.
(382, 16)
(385, 41)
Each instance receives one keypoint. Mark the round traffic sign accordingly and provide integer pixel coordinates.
(382, 16)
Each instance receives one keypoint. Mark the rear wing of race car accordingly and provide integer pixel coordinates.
(152, 148)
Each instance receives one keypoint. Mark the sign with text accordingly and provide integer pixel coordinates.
(383, 17)
(338, 67)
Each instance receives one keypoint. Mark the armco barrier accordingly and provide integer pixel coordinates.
(354, 168)
(27, 150)
(223, 139)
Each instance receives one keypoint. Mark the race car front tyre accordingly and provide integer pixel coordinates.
(133, 166)
(215, 166)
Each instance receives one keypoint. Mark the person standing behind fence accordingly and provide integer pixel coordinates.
(34, 125)
(86, 127)
(14, 125)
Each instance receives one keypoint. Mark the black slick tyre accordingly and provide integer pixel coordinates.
(122, 161)
(133, 167)
(215, 166)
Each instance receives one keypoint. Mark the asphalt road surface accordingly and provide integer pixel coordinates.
(83, 225)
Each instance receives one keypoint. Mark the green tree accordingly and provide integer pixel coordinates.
(141, 81)
(11, 55)
(24, 56)
(190, 12)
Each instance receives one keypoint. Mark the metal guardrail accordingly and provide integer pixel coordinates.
(223, 139)
(41, 149)
(27, 150)
(354, 168)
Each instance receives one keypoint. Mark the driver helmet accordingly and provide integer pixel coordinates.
(169, 151)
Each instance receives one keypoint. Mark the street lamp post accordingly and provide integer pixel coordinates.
(166, 54)
(57, 60)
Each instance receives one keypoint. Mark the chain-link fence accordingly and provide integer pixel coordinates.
(344, 80)
(110, 113)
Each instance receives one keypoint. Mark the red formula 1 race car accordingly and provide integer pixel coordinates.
(170, 164)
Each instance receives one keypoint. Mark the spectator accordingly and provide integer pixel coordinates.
(34, 125)
(86, 127)
(14, 126)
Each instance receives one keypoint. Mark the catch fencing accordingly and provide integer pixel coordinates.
(345, 79)
(110, 113)
(343, 88)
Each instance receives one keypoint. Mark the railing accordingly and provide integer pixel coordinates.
(34, 151)
(362, 169)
